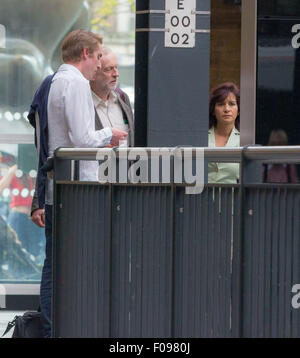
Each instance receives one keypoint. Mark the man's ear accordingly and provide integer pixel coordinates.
(85, 53)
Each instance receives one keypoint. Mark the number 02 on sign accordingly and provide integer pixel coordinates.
(180, 20)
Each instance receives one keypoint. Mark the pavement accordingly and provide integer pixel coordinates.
(5, 317)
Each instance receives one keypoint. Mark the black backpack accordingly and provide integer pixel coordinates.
(26, 326)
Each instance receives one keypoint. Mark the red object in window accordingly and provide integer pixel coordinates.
(23, 197)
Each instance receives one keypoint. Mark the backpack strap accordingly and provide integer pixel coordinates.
(10, 325)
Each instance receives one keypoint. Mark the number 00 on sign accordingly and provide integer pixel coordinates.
(180, 21)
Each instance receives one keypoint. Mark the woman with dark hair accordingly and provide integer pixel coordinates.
(224, 125)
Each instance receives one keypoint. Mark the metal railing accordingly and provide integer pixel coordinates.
(148, 260)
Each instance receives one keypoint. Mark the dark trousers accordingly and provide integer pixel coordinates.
(46, 282)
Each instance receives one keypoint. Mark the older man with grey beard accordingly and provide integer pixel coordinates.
(112, 105)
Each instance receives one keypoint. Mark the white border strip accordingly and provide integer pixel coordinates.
(16, 138)
(21, 288)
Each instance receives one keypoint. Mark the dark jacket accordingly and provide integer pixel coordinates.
(39, 105)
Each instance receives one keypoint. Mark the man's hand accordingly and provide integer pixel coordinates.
(117, 137)
(38, 217)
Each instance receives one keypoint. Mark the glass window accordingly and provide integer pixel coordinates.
(278, 70)
(225, 51)
(22, 243)
(115, 20)
(278, 82)
(278, 7)
(31, 32)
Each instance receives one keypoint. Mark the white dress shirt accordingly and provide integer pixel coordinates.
(110, 112)
(71, 120)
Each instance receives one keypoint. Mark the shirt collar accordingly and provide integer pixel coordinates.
(68, 67)
(111, 99)
(231, 139)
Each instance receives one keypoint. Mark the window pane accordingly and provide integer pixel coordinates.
(225, 51)
(278, 8)
(278, 69)
(31, 32)
(22, 243)
(116, 23)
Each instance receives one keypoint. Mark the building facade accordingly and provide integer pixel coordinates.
(254, 43)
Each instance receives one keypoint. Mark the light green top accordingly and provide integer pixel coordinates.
(225, 173)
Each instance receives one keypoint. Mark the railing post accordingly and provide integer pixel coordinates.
(61, 171)
(250, 172)
(240, 248)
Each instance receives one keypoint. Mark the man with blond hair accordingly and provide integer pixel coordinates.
(63, 104)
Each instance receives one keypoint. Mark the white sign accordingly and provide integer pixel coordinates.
(180, 23)
(2, 36)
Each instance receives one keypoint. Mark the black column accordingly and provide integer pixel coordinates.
(171, 84)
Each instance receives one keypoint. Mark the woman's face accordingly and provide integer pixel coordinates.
(227, 110)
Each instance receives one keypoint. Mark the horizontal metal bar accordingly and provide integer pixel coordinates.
(21, 288)
(193, 12)
(145, 29)
(142, 12)
(271, 185)
(201, 12)
(201, 31)
(278, 154)
(11, 138)
(250, 185)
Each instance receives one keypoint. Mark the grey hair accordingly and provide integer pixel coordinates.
(106, 50)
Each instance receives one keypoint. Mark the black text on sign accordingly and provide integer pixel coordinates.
(180, 23)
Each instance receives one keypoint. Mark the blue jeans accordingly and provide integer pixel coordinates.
(46, 282)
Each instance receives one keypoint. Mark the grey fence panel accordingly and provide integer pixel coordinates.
(271, 262)
(142, 238)
(206, 228)
(151, 261)
(82, 261)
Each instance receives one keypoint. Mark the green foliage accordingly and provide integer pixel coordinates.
(103, 10)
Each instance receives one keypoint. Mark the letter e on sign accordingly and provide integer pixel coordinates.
(179, 23)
